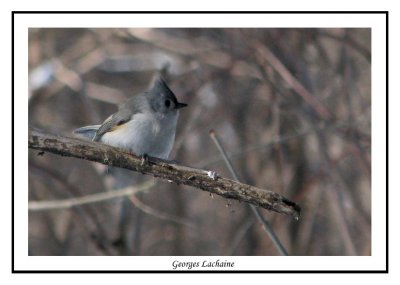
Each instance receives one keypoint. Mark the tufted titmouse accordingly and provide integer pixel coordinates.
(145, 124)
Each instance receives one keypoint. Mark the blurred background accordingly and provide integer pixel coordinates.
(292, 108)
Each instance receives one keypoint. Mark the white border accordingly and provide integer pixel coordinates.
(374, 21)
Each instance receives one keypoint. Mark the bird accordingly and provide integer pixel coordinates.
(145, 124)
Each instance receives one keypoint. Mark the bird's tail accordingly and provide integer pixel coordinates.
(87, 131)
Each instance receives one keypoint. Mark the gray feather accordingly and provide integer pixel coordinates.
(87, 131)
(123, 116)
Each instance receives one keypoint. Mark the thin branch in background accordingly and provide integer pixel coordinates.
(85, 217)
(290, 79)
(88, 199)
(340, 219)
(70, 189)
(267, 227)
(337, 205)
(158, 214)
(241, 232)
(350, 41)
(341, 128)
(104, 93)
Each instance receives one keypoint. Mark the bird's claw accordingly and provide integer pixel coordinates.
(145, 159)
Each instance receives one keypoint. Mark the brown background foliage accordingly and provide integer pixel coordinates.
(275, 137)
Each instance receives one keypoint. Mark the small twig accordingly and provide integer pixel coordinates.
(88, 199)
(241, 232)
(341, 128)
(267, 227)
(350, 41)
(158, 214)
(291, 80)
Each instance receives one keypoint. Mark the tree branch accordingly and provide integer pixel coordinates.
(88, 199)
(205, 180)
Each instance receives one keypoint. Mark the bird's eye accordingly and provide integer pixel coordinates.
(167, 103)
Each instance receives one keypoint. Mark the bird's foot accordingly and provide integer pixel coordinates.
(145, 159)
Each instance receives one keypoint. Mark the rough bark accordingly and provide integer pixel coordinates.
(202, 179)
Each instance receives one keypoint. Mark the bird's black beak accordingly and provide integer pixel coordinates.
(180, 105)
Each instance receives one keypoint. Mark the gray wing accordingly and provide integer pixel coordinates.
(121, 117)
(87, 131)
(124, 114)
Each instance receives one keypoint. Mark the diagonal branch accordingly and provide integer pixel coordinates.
(88, 199)
(205, 180)
(291, 80)
(267, 227)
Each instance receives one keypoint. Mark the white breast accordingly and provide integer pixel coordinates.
(145, 134)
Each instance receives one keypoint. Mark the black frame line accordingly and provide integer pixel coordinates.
(200, 271)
